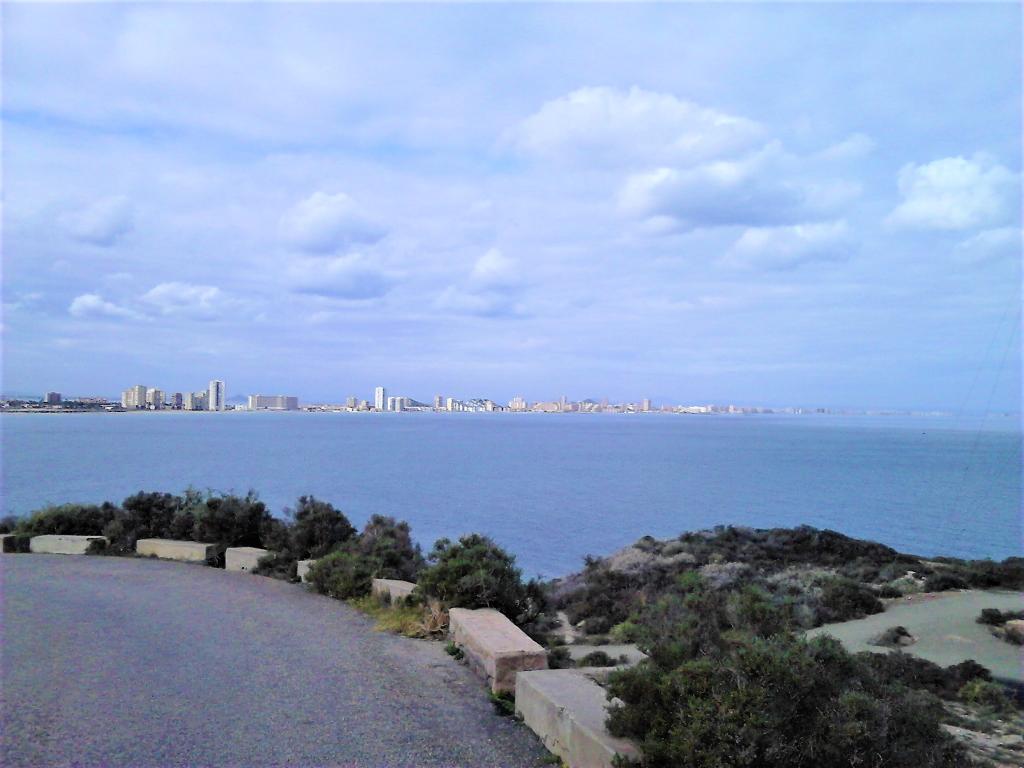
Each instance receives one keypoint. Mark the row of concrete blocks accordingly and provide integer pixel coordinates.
(566, 708)
(235, 558)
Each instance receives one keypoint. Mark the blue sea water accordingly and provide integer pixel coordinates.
(553, 488)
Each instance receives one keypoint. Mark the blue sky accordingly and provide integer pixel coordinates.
(770, 204)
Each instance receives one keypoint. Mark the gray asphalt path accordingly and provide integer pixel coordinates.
(132, 662)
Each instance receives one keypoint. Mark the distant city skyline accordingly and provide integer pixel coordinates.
(756, 203)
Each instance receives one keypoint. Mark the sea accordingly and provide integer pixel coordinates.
(553, 488)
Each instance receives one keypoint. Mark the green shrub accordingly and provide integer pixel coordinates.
(453, 650)
(915, 672)
(597, 659)
(985, 693)
(388, 546)
(477, 573)
(940, 582)
(342, 575)
(317, 529)
(777, 702)
(68, 520)
(504, 703)
(994, 617)
(151, 515)
(625, 632)
(231, 521)
(843, 599)
(560, 658)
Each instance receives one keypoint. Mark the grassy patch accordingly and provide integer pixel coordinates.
(400, 619)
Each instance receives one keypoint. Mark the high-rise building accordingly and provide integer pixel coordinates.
(380, 398)
(215, 396)
(52, 398)
(154, 399)
(195, 401)
(174, 401)
(438, 402)
(645, 406)
(134, 397)
(517, 403)
(352, 402)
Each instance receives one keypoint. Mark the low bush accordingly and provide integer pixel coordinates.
(453, 650)
(914, 672)
(68, 520)
(994, 617)
(476, 573)
(943, 581)
(560, 658)
(726, 687)
(894, 637)
(596, 659)
(504, 703)
(843, 599)
(986, 694)
(317, 528)
(342, 575)
(387, 545)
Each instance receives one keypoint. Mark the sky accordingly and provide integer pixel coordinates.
(772, 204)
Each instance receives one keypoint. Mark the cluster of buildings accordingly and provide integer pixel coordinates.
(143, 398)
(384, 402)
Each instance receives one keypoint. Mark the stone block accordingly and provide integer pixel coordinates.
(302, 569)
(392, 589)
(1014, 630)
(494, 647)
(568, 710)
(243, 558)
(63, 545)
(170, 549)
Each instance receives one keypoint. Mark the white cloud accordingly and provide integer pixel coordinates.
(344, 277)
(608, 124)
(496, 271)
(92, 305)
(752, 191)
(184, 299)
(101, 223)
(789, 247)
(954, 193)
(493, 288)
(991, 245)
(325, 223)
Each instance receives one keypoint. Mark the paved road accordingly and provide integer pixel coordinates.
(131, 662)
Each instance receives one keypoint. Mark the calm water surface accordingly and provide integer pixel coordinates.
(553, 488)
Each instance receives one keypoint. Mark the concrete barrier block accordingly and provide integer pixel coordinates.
(302, 569)
(243, 558)
(494, 647)
(568, 710)
(63, 545)
(392, 589)
(170, 549)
